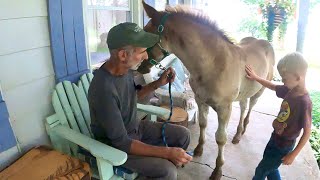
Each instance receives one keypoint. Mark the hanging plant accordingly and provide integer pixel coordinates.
(277, 14)
(283, 29)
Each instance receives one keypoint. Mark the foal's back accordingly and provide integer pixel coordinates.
(259, 55)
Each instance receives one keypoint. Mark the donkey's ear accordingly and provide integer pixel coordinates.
(151, 12)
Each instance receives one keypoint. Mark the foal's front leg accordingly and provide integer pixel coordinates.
(223, 112)
(203, 115)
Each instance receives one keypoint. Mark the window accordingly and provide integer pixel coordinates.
(160, 5)
(101, 16)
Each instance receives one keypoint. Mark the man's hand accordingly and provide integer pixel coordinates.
(250, 73)
(166, 76)
(289, 158)
(178, 156)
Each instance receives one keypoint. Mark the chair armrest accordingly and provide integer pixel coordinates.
(154, 110)
(179, 99)
(96, 148)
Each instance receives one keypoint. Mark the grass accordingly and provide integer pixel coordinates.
(315, 134)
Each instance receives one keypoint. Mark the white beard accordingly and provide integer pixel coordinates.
(135, 67)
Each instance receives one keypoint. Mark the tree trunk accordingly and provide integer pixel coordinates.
(302, 23)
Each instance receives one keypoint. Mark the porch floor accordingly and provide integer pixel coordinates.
(242, 159)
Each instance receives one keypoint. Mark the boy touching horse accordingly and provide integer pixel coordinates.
(294, 115)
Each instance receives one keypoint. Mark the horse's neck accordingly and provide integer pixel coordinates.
(192, 47)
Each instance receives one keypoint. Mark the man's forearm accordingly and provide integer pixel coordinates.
(147, 89)
(142, 149)
(303, 140)
(266, 83)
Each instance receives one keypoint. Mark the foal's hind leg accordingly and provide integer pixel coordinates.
(203, 115)
(243, 105)
(253, 101)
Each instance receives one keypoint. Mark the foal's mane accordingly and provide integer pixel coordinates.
(199, 17)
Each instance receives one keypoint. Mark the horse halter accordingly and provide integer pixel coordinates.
(158, 65)
(164, 51)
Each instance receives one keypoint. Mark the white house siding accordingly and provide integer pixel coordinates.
(26, 72)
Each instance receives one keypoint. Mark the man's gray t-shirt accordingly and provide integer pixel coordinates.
(113, 109)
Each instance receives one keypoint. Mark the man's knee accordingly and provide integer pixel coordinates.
(154, 168)
(168, 171)
(185, 136)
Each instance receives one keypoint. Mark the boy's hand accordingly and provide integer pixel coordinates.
(288, 159)
(279, 126)
(250, 73)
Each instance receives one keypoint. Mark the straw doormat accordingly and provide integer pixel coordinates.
(45, 163)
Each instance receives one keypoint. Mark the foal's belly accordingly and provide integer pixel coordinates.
(248, 89)
(214, 92)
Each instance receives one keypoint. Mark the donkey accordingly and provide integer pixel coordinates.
(216, 65)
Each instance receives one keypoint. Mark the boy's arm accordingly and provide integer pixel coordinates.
(289, 158)
(303, 140)
(307, 106)
(253, 76)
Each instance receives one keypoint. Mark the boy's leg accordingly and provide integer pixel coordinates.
(269, 163)
(268, 167)
(151, 167)
(281, 152)
(275, 174)
(265, 167)
(176, 136)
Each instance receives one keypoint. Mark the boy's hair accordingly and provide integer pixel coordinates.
(293, 63)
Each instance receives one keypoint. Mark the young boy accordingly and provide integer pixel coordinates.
(294, 115)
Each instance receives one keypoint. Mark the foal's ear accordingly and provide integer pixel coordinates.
(151, 12)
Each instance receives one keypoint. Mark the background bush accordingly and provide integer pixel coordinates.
(315, 134)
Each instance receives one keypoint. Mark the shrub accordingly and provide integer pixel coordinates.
(315, 134)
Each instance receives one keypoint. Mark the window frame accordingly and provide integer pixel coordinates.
(135, 10)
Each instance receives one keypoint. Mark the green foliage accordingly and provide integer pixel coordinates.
(315, 143)
(269, 9)
(283, 8)
(314, 3)
(315, 133)
(315, 97)
(253, 26)
(253, 2)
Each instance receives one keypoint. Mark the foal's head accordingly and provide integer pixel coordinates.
(180, 24)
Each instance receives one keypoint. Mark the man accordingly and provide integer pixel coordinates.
(113, 99)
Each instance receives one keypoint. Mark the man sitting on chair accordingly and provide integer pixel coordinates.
(113, 100)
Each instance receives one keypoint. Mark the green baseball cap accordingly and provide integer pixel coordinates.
(130, 34)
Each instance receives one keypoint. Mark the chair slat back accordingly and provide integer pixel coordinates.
(71, 105)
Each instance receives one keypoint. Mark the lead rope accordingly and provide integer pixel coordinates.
(163, 128)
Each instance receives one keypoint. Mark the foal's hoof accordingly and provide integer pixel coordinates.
(198, 151)
(235, 140)
(216, 174)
